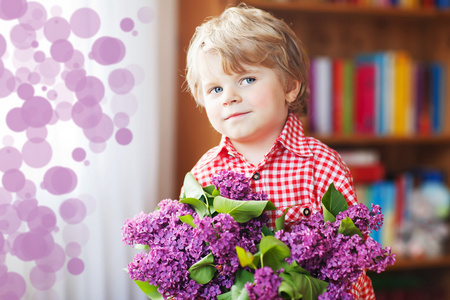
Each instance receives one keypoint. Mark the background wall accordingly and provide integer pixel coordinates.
(86, 140)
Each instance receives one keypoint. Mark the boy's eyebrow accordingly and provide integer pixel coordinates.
(209, 83)
(250, 70)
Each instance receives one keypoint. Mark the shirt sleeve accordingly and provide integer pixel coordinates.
(362, 289)
(330, 168)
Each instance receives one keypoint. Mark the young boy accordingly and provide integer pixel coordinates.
(249, 70)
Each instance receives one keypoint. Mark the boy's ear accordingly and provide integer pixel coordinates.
(292, 90)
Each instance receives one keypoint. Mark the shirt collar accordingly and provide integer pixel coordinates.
(292, 137)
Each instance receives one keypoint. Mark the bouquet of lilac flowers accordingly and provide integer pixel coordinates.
(214, 243)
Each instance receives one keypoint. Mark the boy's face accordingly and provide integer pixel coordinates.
(249, 108)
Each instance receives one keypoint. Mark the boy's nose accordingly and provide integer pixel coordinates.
(231, 98)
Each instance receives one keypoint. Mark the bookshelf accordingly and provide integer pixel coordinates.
(340, 30)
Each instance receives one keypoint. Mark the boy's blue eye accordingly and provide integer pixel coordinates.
(249, 80)
(217, 89)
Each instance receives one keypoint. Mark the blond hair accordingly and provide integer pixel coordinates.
(245, 35)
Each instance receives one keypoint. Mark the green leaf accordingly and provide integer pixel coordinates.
(294, 267)
(210, 205)
(193, 189)
(188, 219)
(279, 222)
(209, 189)
(333, 202)
(203, 270)
(287, 288)
(238, 291)
(225, 296)
(241, 211)
(199, 206)
(327, 215)
(266, 231)
(141, 247)
(348, 228)
(273, 252)
(150, 290)
(242, 277)
(301, 286)
(239, 294)
(246, 259)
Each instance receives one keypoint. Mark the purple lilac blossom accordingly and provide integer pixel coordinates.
(167, 262)
(175, 246)
(333, 257)
(366, 221)
(265, 286)
(149, 229)
(223, 234)
(235, 186)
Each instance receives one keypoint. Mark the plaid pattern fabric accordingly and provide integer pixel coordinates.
(362, 289)
(297, 171)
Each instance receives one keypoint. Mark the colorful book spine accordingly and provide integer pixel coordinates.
(437, 97)
(365, 96)
(423, 100)
(312, 97)
(386, 93)
(408, 94)
(409, 4)
(338, 96)
(400, 102)
(348, 98)
(323, 87)
(383, 193)
(388, 205)
(442, 4)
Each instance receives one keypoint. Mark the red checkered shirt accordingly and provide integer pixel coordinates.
(297, 171)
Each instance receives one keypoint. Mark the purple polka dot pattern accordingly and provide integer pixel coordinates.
(127, 24)
(59, 180)
(82, 28)
(108, 50)
(53, 83)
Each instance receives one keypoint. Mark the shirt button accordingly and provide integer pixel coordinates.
(306, 212)
(256, 176)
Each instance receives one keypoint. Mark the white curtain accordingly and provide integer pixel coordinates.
(87, 122)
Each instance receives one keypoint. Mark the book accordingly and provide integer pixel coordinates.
(338, 96)
(386, 94)
(400, 103)
(348, 97)
(360, 157)
(409, 96)
(422, 103)
(367, 173)
(365, 97)
(312, 95)
(428, 4)
(383, 193)
(382, 93)
(379, 62)
(442, 4)
(322, 84)
(437, 87)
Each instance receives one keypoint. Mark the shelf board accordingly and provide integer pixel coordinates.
(344, 8)
(405, 264)
(364, 140)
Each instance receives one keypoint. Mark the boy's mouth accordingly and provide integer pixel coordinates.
(235, 115)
